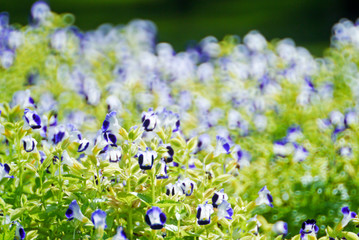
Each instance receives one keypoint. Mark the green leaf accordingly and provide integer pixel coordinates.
(192, 144)
(350, 236)
(143, 197)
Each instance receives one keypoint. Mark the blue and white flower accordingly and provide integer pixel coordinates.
(29, 143)
(7, 58)
(155, 218)
(168, 156)
(32, 119)
(149, 120)
(256, 227)
(146, 159)
(204, 212)
(23, 99)
(74, 211)
(346, 152)
(83, 145)
(162, 173)
(225, 210)
(120, 234)
(4, 171)
(222, 146)
(294, 133)
(218, 198)
(351, 119)
(174, 189)
(98, 219)
(244, 158)
(187, 186)
(264, 197)
(110, 128)
(20, 231)
(300, 153)
(40, 11)
(282, 148)
(57, 134)
(347, 216)
(280, 228)
(309, 228)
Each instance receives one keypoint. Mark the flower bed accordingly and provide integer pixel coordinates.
(109, 134)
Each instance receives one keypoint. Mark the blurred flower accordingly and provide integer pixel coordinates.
(204, 212)
(69, 161)
(57, 134)
(346, 151)
(264, 197)
(83, 145)
(225, 210)
(149, 120)
(282, 148)
(155, 218)
(40, 11)
(20, 231)
(4, 171)
(255, 229)
(120, 235)
(221, 147)
(98, 219)
(300, 153)
(7, 58)
(280, 228)
(74, 211)
(32, 119)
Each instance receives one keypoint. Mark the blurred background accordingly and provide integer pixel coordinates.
(307, 22)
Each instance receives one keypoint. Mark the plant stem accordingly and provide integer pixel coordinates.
(153, 179)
